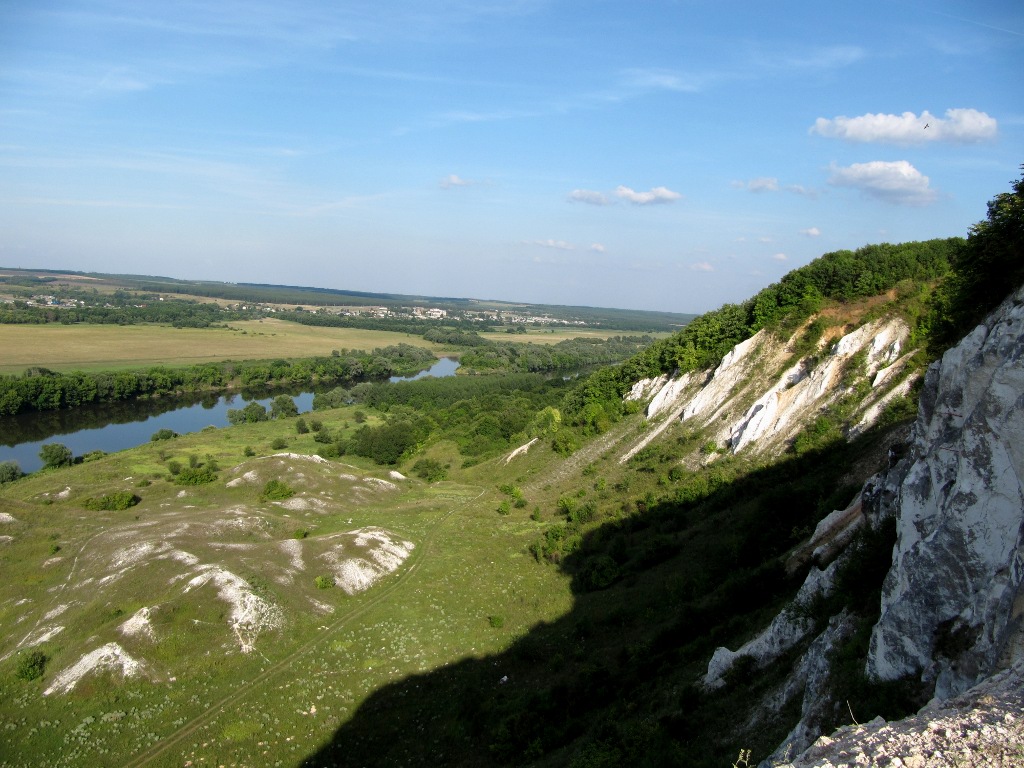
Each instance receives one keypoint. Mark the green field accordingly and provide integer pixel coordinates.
(467, 590)
(110, 347)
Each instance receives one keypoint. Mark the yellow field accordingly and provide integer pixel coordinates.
(106, 347)
(555, 335)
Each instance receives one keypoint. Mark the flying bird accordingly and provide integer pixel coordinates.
(926, 125)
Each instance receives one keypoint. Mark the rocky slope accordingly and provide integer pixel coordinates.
(952, 601)
(764, 392)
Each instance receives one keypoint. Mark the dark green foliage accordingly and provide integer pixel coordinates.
(55, 455)
(276, 490)
(986, 268)
(112, 502)
(174, 467)
(163, 434)
(10, 471)
(195, 476)
(278, 443)
(31, 665)
(253, 412)
(323, 582)
(301, 427)
(840, 276)
(248, 451)
(430, 470)
(283, 407)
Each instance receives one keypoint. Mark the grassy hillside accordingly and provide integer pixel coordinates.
(550, 606)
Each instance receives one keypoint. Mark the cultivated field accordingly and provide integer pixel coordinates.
(109, 347)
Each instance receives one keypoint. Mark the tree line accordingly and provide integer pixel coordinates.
(40, 389)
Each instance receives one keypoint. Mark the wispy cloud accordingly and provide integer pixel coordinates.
(454, 180)
(702, 266)
(588, 196)
(893, 182)
(959, 126)
(558, 245)
(655, 196)
(762, 184)
(810, 232)
(597, 248)
(780, 257)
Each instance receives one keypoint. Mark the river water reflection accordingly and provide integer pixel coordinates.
(115, 427)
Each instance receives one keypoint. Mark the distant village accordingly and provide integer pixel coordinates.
(489, 316)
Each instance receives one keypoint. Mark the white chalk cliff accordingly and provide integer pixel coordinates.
(952, 605)
(952, 602)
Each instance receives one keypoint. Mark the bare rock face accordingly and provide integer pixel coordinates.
(952, 603)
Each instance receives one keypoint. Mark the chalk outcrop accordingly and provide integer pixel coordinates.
(952, 602)
(740, 412)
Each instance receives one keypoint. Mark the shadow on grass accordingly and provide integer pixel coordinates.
(614, 681)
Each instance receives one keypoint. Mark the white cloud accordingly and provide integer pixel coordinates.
(702, 266)
(597, 248)
(453, 180)
(654, 196)
(780, 257)
(763, 184)
(810, 232)
(558, 245)
(588, 196)
(895, 182)
(960, 126)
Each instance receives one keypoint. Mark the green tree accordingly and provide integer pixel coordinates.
(9, 471)
(283, 407)
(55, 455)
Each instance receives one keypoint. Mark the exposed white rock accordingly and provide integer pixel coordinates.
(138, 625)
(521, 450)
(643, 388)
(667, 395)
(364, 556)
(786, 630)
(6, 517)
(110, 657)
(983, 727)
(727, 376)
(250, 614)
(951, 602)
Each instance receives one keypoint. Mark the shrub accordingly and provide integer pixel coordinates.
(323, 582)
(163, 434)
(248, 451)
(504, 508)
(9, 471)
(174, 467)
(278, 443)
(300, 426)
(195, 476)
(112, 502)
(302, 533)
(275, 490)
(56, 455)
(496, 621)
(430, 470)
(31, 665)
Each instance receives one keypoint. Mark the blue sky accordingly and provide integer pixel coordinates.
(650, 155)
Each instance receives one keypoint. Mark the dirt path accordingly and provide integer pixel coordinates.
(421, 552)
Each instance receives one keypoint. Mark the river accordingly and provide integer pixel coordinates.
(117, 426)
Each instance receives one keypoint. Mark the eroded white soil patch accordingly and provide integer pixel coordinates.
(250, 613)
(107, 658)
(138, 625)
(362, 557)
